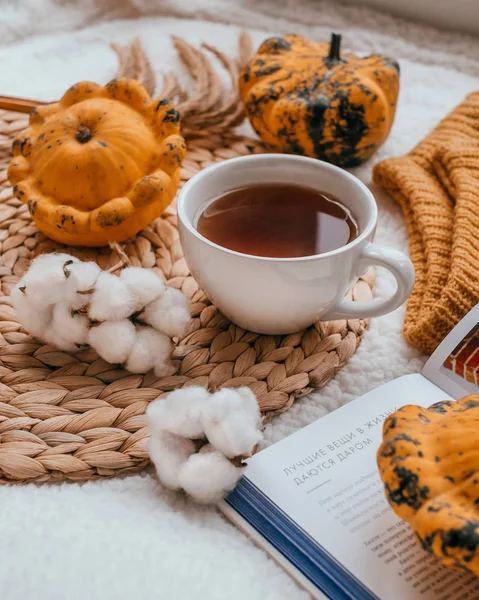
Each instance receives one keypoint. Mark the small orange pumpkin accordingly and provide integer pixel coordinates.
(100, 164)
(302, 97)
(429, 464)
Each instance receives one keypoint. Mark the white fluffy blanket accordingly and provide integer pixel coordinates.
(129, 538)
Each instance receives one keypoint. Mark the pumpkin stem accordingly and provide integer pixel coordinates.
(334, 49)
(84, 134)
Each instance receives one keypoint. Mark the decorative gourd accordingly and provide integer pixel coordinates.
(429, 464)
(100, 164)
(302, 97)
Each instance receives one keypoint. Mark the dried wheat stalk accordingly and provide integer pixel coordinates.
(208, 107)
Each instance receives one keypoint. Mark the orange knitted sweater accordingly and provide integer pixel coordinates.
(437, 185)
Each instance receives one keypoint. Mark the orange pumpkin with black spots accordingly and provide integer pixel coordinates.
(303, 97)
(100, 164)
(429, 464)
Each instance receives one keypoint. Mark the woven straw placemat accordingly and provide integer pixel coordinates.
(74, 416)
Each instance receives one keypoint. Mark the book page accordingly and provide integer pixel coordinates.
(454, 366)
(325, 478)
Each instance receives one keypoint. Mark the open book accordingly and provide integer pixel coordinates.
(315, 501)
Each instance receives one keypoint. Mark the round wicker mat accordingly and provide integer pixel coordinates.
(74, 416)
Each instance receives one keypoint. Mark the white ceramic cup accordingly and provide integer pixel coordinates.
(284, 295)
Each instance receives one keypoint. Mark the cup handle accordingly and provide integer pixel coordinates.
(394, 261)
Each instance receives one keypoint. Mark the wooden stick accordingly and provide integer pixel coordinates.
(22, 105)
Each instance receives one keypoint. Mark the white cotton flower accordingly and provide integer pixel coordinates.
(68, 325)
(170, 313)
(113, 340)
(143, 284)
(56, 286)
(208, 475)
(111, 300)
(34, 319)
(61, 342)
(67, 330)
(164, 366)
(180, 412)
(81, 278)
(45, 280)
(168, 453)
(149, 346)
(231, 421)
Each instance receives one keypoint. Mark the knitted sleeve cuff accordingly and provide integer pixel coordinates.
(428, 213)
(437, 186)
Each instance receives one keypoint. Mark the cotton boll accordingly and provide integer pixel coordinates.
(169, 314)
(155, 413)
(52, 263)
(82, 278)
(140, 358)
(33, 319)
(180, 412)
(113, 340)
(249, 403)
(164, 367)
(59, 341)
(66, 331)
(68, 325)
(111, 300)
(143, 284)
(208, 476)
(162, 349)
(148, 346)
(228, 401)
(231, 421)
(53, 260)
(45, 280)
(168, 453)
